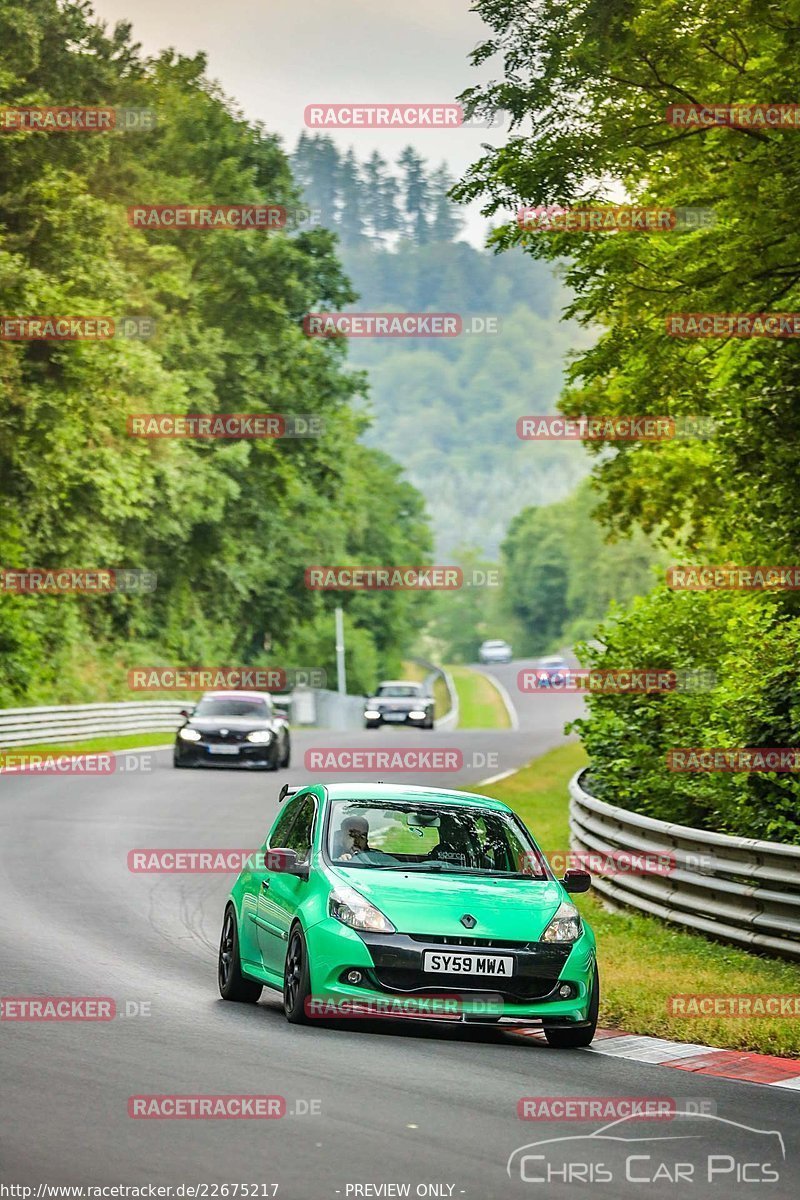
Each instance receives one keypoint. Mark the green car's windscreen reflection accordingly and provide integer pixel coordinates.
(469, 841)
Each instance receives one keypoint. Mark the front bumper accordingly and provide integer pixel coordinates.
(249, 754)
(391, 968)
(397, 719)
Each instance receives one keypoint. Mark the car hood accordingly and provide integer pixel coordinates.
(237, 724)
(399, 701)
(514, 909)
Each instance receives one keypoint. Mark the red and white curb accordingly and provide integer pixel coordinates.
(690, 1056)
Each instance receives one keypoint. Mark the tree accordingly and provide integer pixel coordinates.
(446, 221)
(416, 195)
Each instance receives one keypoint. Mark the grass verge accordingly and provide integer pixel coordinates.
(480, 704)
(441, 696)
(643, 961)
(122, 741)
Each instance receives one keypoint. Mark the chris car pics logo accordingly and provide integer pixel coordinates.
(691, 1148)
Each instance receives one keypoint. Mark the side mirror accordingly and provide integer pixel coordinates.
(576, 881)
(284, 862)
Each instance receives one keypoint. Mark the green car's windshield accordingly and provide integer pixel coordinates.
(436, 838)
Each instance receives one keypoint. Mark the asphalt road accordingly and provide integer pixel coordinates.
(396, 1105)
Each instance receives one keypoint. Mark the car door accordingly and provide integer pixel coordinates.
(280, 893)
(265, 915)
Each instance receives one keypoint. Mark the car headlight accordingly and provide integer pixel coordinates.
(188, 735)
(261, 736)
(566, 925)
(417, 714)
(372, 713)
(353, 910)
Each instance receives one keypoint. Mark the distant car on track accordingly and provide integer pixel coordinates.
(495, 652)
(557, 670)
(234, 729)
(370, 893)
(399, 702)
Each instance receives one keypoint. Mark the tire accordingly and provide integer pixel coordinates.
(564, 1038)
(176, 762)
(428, 724)
(273, 762)
(286, 757)
(232, 984)
(296, 978)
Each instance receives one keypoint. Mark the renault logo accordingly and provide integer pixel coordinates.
(468, 921)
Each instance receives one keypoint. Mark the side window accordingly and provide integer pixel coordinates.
(280, 834)
(300, 834)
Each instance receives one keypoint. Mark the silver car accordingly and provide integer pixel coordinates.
(495, 652)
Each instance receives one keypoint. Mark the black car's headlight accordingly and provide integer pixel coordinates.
(261, 737)
(347, 906)
(566, 925)
(188, 735)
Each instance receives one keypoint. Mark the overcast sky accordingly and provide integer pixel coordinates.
(276, 56)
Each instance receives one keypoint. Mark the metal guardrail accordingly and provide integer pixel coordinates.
(450, 718)
(81, 722)
(737, 889)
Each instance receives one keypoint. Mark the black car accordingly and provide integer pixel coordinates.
(233, 729)
(399, 702)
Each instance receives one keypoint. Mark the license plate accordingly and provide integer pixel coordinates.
(394, 716)
(449, 963)
(223, 749)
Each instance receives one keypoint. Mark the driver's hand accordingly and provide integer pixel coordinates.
(345, 857)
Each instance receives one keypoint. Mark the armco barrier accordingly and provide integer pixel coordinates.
(737, 889)
(450, 718)
(80, 722)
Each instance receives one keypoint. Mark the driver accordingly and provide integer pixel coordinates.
(355, 833)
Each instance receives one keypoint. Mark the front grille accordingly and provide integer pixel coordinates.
(233, 735)
(482, 943)
(518, 988)
(398, 960)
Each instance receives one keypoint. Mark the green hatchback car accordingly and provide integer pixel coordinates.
(379, 899)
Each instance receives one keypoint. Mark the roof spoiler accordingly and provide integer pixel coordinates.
(288, 789)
